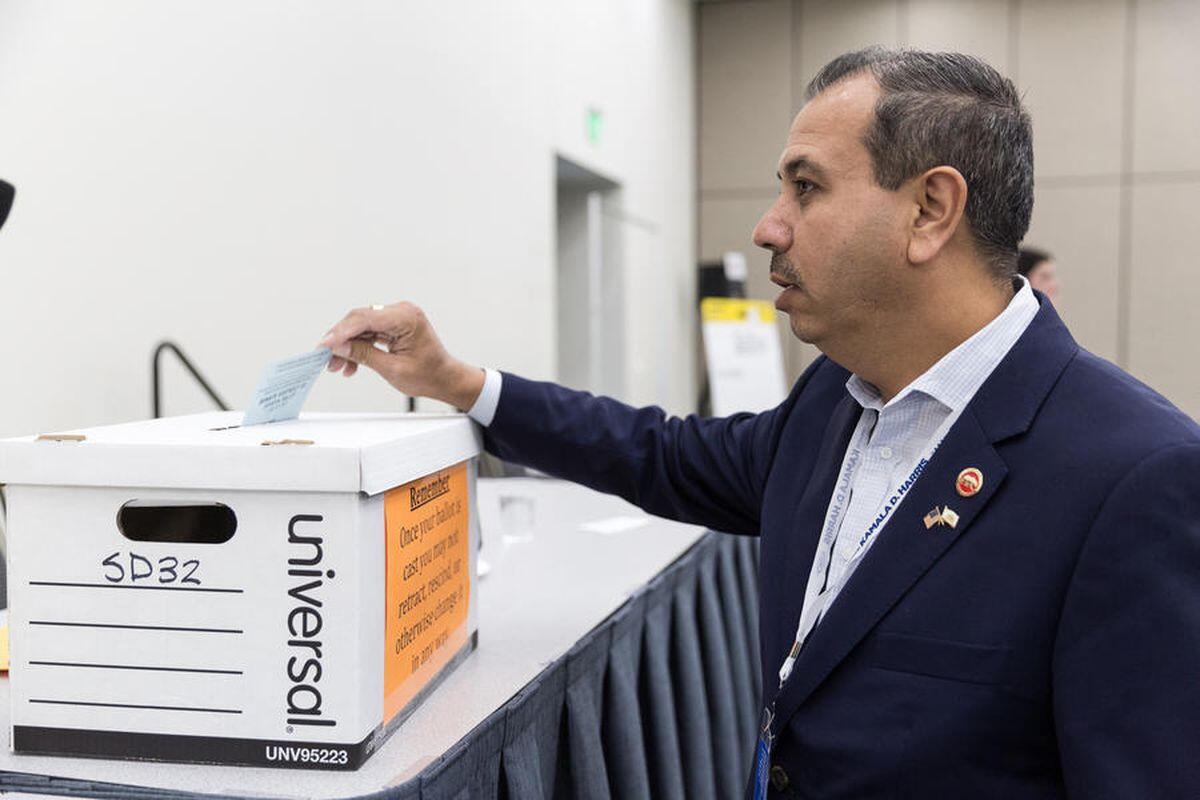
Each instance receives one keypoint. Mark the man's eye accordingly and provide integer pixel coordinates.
(803, 186)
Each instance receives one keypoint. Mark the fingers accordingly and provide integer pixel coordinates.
(370, 336)
(359, 351)
(342, 365)
(359, 322)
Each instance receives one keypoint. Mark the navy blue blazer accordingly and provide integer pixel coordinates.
(1046, 647)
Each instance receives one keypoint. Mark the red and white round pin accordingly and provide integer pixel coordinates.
(969, 482)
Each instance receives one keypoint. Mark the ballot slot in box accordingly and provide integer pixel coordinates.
(285, 595)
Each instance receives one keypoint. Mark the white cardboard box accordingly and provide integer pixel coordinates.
(140, 628)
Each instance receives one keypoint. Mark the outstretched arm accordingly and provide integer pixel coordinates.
(706, 471)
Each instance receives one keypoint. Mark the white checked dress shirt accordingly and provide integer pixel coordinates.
(887, 446)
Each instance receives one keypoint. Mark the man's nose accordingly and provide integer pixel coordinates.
(771, 233)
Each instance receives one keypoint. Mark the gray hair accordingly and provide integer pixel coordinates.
(950, 109)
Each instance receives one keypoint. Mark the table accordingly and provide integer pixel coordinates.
(617, 655)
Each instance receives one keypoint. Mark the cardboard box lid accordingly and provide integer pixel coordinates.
(348, 453)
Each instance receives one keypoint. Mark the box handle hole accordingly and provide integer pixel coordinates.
(176, 521)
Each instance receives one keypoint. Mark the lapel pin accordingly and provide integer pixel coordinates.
(933, 518)
(949, 517)
(969, 482)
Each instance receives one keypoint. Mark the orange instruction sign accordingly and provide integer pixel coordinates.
(428, 581)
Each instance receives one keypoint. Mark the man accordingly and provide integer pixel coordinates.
(1039, 268)
(980, 571)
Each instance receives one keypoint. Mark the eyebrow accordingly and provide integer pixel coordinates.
(801, 163)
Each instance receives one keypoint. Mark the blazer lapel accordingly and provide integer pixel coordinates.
(905, 550)
(802, 535)
(1005, 406)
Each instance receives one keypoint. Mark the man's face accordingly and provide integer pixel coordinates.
(837, 237)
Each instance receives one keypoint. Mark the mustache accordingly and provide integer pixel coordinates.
(783, 268)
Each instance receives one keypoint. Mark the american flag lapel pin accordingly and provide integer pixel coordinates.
(949, 516)
(933, 518)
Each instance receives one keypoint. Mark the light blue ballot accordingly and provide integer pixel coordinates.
(284, 386)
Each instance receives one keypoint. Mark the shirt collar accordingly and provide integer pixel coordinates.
(955, 378)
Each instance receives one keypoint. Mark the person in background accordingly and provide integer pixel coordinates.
(1039, 268)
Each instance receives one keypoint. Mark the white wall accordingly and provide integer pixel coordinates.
(236, 175)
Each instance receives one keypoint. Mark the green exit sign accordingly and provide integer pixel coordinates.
(595, 125)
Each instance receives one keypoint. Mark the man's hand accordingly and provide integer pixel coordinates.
(398, 342)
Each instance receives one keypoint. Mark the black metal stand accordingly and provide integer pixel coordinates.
(156, 376)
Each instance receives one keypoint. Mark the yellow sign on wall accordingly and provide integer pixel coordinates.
(743, 354)
(735, 309)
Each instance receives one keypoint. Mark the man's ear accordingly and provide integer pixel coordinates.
(940, 196)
